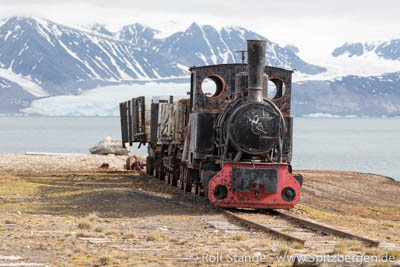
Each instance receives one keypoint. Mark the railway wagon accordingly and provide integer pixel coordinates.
(231, 145)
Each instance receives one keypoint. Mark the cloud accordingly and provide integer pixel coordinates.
(357, 9)
(314, 26)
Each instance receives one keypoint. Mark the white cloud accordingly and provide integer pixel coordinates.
(315, 26)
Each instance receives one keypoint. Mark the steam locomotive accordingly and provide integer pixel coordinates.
(233, 146)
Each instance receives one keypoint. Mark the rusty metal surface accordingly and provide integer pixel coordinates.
(201, 135)
(243, 179)
(256, 197)
(328, 229)
(228, 72)
(264, 228)
(256, 65)
(154, 125)
(134, 163)
(124, 123)
(133, 121)
(254, 128)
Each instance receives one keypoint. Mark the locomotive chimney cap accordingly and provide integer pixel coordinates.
(255, 40)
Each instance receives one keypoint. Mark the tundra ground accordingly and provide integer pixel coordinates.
(87, 216)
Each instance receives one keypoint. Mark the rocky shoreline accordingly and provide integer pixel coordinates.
(15, 163)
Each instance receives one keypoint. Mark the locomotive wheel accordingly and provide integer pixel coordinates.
(162, 174)
(148, 165)
(130, 161)
(182, 170)
(187, 180)
(151, 166)
(173, 178)
(198, 190)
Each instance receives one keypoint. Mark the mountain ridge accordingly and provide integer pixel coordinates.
(41, 58)
(384, 49)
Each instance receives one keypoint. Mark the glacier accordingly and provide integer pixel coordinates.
(102, 101)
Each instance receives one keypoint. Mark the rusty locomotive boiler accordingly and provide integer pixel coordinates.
(233, 146)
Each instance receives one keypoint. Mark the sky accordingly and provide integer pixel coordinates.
(316, 27)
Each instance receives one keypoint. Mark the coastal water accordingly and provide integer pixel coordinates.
(358, 144)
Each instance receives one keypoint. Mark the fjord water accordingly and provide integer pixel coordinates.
(369, 145)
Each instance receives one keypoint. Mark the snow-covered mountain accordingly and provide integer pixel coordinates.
(41, 60)
(362, 79)
(349, 95)
(363, 59)
(383, 49)
(47, 59)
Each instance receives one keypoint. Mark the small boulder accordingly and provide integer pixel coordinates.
(109, 145)
(105, 165)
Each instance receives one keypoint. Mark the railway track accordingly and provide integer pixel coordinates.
(311, 234)
(307, 232)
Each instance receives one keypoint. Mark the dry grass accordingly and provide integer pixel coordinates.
(99, 229)
(373, 252)
(129, 236)
(338, 250)
(10, 221)
(348, 245)
(111, 233)
(289, 229)
(15, 187)
(388, 224)
(263, 244)
(311, 212)
(105, 260)
(297, 245)
(239, 237)
(284, 249)
(379, 264)
(82, 235)
(394, 253)
(93, 217)
(154, 236)
(84, 225)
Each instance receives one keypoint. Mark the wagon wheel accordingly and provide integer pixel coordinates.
(130, 162)
(173, 178)
(198, 190)
(187, 180)
(162, 173)
(151, 166)
(148, 165)
(182, 170)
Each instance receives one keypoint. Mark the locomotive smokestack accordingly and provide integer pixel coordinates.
(256, 65)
